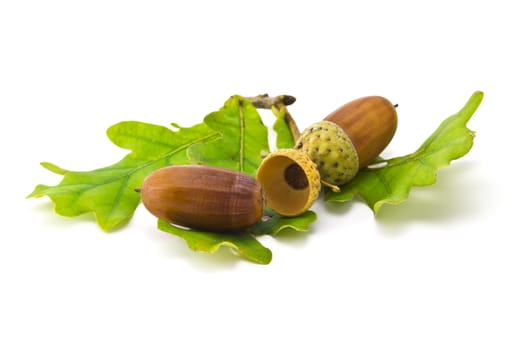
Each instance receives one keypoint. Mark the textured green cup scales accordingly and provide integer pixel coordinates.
(328, 146)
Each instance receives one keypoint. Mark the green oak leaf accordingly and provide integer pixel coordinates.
(244, 138)
(233, 137)
(109, 192)
(273, 223)
(390, 181)
(284, 136)
(244, 243)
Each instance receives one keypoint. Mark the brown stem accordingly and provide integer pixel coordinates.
(266, 102)
(278, 104)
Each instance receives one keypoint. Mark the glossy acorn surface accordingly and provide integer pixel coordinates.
(370, 123)
(203, 197)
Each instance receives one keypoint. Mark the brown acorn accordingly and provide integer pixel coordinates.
(370, 123)
(350, 138)
(203, 197)
(347, 140)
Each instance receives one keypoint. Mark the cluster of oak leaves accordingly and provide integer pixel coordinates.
(109, 192)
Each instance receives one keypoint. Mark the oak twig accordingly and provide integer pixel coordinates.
(278, 104)
(266, 102)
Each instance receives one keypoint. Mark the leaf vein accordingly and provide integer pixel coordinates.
(147, 140)
(118, 197)
(135, 169)
(242, 127)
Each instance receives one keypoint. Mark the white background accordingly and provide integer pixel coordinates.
(444, 270)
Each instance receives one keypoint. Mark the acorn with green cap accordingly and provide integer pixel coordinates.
(347, 140)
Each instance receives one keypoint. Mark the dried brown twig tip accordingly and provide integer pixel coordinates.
(277, 104)
(266, 102)
(288, 100)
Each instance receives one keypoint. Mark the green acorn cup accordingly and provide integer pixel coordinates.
(328, 146)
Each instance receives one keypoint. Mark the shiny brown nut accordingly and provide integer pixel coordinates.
(329, 152)
(370, 123)
(203, 197)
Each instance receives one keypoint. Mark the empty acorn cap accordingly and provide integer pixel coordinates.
(290, 181)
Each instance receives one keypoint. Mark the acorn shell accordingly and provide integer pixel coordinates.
(370, 123)
(203, 197)
(290, 181)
